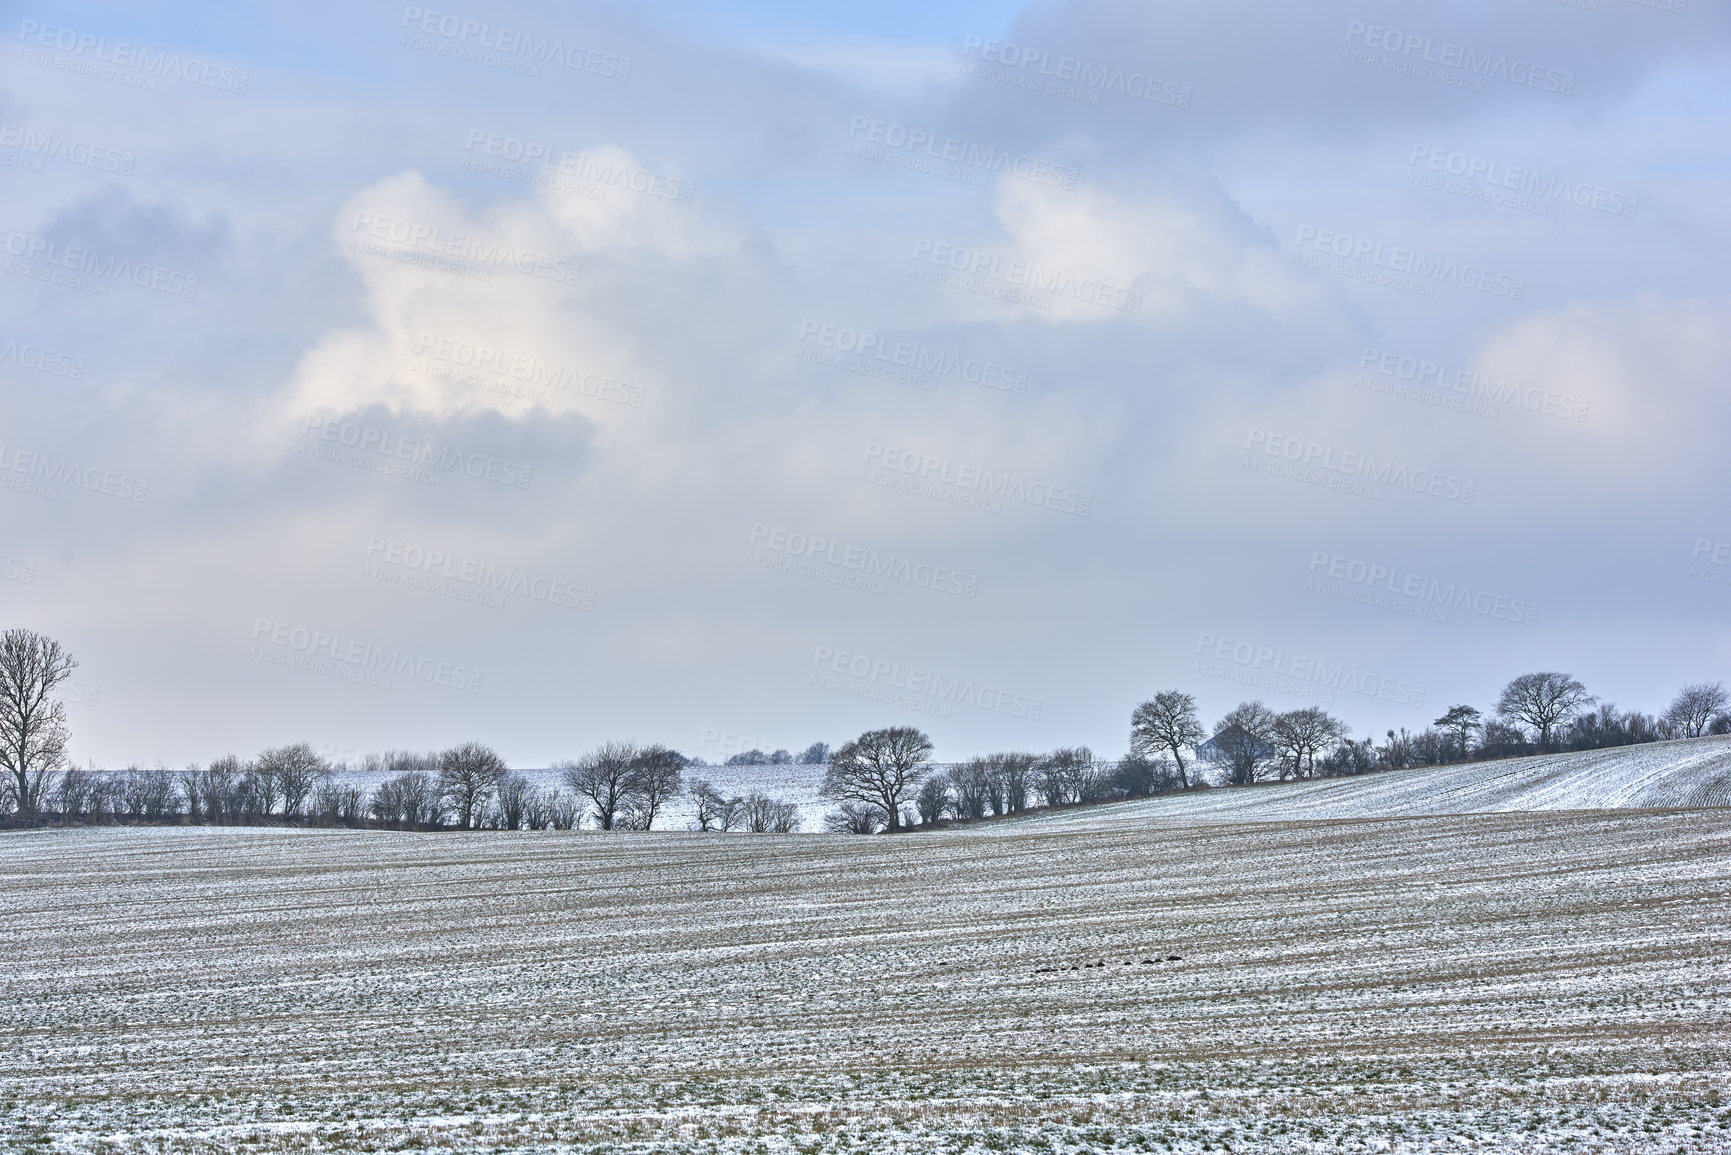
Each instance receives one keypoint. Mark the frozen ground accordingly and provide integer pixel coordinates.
(1695, 772)
(1511, 982)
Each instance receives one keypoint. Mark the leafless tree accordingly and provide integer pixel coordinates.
(516, 800)
(1139, 776)
(1096, 782)
(403, 762)
(468, 775)
(766, 815)
(1543, 701)
(335, 802)
(1063, 774)
(411, 798)
(855, 818)
(935, 798)
(1609, 726)
(973, 789)
(991, 785)
(386, 802)
(1302, 736)
(880, 768)
(192, 789)
(295, 772)
(1695, 707)
(714, 810)
(1012, 777)
(259, 792)
(33, 729)
(563, 810)
(657, 779)
(128, 788)
(606, 776)
(220, 789)
(1243, 742)
(537, 809)
(75, 793)
(1167, 723)
(149, 795)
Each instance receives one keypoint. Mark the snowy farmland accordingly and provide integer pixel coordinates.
(1492, 982)
(1691, 772)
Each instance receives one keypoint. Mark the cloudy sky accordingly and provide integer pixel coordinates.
(757, 373)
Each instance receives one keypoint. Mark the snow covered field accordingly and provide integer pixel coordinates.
(1693, 772)
(1510, 982)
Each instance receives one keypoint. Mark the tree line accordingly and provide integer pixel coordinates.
(883, 780)
(617, 786)
(883, 783)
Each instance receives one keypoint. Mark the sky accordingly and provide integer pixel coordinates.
(730, 374)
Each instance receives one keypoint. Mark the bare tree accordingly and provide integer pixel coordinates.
(973, 789)
(1139, 776)
(714, 810)
(75, 794)
(1167, 724)
(334, 802)
(410, 798)
(815, 754)
(1243, 742)
(1063, 774)
(258, 792)
(1543, 701)
(468, 775)
(1301, 736)
(563, 811)
(537, 809)
(225, 789)
(33, 729)
(295, 772)
(658, 778)
(1461, 723)
(1695, 707)
(1096, 782)
(192, 789)
(934, 798)
(424, 804)
(606, 776)
(1011, 776)
(880, 768)
(386, 802)
(766, 815)
(516, 799)
(855, 818)
(149, 795)
(989, 783)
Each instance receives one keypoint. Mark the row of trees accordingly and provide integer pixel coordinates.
(617, 786)
(1542, 712)
(882, 779)
(815, 754)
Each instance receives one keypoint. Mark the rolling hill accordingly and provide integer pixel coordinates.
(1684, 773)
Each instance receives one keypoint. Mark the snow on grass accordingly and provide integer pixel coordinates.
(1494, 982)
